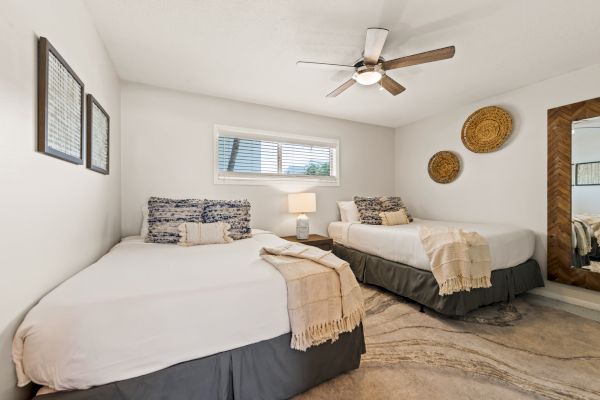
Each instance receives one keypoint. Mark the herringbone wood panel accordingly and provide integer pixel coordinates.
(560, 122)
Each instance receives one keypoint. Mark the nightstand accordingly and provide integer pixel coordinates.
(322, 242)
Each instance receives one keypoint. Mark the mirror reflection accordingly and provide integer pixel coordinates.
(585, 194)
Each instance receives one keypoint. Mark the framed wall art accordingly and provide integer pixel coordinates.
(587, 174)
(98, 137)
(60, 106)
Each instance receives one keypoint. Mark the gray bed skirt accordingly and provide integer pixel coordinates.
(265, 370)
(420, 285)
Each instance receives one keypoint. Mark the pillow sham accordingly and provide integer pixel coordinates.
(348, 211)
(165, 215)
(234, 212)
(394, 217)
(368, 209)
(195, 233)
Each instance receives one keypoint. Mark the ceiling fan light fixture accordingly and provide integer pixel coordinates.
(372, 68)
(368, 76)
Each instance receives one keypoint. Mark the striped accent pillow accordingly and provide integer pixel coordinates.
(165, 215)
(195, 233)
(234, 212)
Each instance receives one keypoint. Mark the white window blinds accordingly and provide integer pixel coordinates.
(243, 154)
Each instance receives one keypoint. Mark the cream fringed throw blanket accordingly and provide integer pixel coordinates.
(460, 261)
(324, 299)
(582, 236)
(593, 220)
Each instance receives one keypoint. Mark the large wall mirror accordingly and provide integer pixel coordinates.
(574, 194)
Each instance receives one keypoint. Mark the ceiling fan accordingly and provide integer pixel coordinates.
(371, 68)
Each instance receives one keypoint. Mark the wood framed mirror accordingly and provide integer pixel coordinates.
(573, 209)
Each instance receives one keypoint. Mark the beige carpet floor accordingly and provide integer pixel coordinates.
(516, 351)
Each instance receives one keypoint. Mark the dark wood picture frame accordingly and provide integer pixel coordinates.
(45, 48)
(91, 102)
(560, 121)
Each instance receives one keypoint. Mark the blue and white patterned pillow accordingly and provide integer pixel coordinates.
(165, 216)
(370, 207)
(234, 212)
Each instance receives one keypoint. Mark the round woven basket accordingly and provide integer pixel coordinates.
(487, 129)
(443, 167)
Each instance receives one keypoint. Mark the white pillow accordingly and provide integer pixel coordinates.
(195, 233)
(348, 211)
(144, 230)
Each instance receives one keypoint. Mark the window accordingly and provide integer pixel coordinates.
(255, 157)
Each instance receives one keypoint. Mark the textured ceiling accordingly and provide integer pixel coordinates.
(246, 50)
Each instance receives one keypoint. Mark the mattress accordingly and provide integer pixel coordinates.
(144, 307)
(509, 246)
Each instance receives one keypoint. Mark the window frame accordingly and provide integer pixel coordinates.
(246, 178)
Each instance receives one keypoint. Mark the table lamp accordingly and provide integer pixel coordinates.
(302, 203)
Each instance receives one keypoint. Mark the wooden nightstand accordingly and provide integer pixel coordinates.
(322, 242)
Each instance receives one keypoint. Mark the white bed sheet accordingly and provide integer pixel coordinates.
(509, 246)
(144, 307)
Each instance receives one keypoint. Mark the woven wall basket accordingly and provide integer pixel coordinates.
(443, 167)
(487, 129)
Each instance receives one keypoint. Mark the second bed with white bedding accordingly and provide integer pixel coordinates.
(509, 246)
(144, 307)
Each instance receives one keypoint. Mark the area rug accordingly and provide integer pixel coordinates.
(519, 350)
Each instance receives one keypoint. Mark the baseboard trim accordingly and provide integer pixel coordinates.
(566, 299)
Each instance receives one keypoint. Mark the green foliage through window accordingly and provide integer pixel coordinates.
(315, 168)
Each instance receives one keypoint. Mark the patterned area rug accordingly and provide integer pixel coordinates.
(505, 351)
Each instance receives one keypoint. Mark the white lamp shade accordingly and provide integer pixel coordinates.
(302, 202)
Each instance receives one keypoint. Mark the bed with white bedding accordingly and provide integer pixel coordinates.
(393, 257)
(144, 307)
(509, 246)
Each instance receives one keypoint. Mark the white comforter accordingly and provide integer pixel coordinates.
(509, 246)
(143, 307)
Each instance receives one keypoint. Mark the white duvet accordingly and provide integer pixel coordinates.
(509, 246)
(144, 307)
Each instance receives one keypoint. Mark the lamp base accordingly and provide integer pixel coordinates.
(302, 227)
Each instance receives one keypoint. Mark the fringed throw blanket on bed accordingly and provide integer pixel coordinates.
(324, 298)
(593, 221)
(460, 261)
(582, 237)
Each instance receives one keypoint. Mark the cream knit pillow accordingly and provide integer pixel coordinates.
(194, 233)
(394, 217)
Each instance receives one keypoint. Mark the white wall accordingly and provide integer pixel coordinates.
(507, 186)
(585, 147)
(57, 217)
(168, 150)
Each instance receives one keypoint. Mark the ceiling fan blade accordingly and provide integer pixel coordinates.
(421, 58)
(342, 87)
(374, 42)
(335, 67)
(391, 85)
